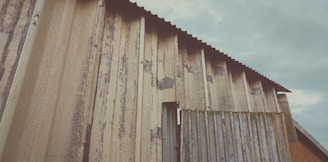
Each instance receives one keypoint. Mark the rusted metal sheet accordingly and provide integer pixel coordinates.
(234, 136)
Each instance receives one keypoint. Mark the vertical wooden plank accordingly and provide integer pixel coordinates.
(167, 56)
(126, 94)
(220, 97)
(246, 138)
(206, 92)
(256, 138)
(238, 139)
(140, 92)
(181, 76)
(270, 96)
(220, 132)
(194, 139)
(281, 138)
(103, 119)
(201, 135)
(118, 97)
(263, 137)
(239, 90)
(166, 77)
(44, 109)
(194, 77)
(212, 137)
(185, 152)
(151, 134)
(185, 90)
(272, 138)
(228, 136)
(268, 138)
(257, 98)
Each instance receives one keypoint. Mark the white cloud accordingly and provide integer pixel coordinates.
(300, 100)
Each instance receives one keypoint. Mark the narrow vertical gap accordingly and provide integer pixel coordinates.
(98, 25)
(171, 132)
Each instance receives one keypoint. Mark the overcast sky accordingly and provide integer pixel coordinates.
(286, 41)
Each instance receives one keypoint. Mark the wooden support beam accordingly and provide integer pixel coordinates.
(284, 106)
(207, 102)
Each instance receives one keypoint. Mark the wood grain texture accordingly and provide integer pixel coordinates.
(194, 87)
(233, 136)
(239, 90)
(15, 19)
(220, 95)
(113, 130)
(56, 99)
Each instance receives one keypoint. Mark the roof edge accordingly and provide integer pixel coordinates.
(312, 139)
(278, 87)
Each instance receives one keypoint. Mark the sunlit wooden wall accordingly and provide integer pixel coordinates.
(86, 80)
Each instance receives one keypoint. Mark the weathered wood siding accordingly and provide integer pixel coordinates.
(234, 136)
(53, 90)
(92, 76)
(15, 18)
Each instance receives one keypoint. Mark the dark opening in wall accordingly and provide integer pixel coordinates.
(171, 124)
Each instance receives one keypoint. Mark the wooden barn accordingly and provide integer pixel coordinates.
(95, 80)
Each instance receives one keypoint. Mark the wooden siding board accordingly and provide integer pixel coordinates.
(218, 84)
(107, 78)
(15, 20)
(194, 77)
(194, 138)
(180, 72)
(220, 142)
(272, 137)
(117, 90)
(239, 93)
(257, 95)
(166, 77)
(43, 106)
(229, 143)
(233, 136)
(256, 138)
(211, 137)
(282, 140)
(150, 125)
(238, 137)
(270, 96)
(126, 94)
(263, 137)
(202, 143)
(246, 139)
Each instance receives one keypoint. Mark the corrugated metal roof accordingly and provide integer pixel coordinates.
(206, 46)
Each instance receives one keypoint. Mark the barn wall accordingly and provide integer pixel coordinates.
(53, 89)
(233, 136)
(92, 79)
